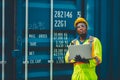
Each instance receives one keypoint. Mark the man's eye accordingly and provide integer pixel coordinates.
(80, 26)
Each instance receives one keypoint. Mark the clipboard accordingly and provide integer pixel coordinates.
(84, 51)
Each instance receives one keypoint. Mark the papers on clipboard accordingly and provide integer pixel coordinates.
(83, 50)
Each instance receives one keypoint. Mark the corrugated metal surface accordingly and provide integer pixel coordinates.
(106, 19)
(107, 26)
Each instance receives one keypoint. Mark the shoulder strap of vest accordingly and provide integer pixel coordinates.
(73, 42)
(91, 39)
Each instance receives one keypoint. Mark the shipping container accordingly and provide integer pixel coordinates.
(34, 35)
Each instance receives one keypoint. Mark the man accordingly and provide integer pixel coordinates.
(84, 69)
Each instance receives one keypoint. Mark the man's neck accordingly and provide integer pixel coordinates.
(83, 37)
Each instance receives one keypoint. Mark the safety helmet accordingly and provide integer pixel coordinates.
(80, 20)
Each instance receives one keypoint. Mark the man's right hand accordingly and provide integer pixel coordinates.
(79, 59)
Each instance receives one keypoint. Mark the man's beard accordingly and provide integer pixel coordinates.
(83, 35)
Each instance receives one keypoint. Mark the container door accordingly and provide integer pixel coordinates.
(6, 37)
(64, 14)
(33, 40)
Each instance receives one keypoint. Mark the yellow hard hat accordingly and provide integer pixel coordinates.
(80, 20)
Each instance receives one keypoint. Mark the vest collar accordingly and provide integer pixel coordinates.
(78, 38)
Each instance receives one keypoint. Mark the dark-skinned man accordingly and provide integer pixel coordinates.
(85, 69)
